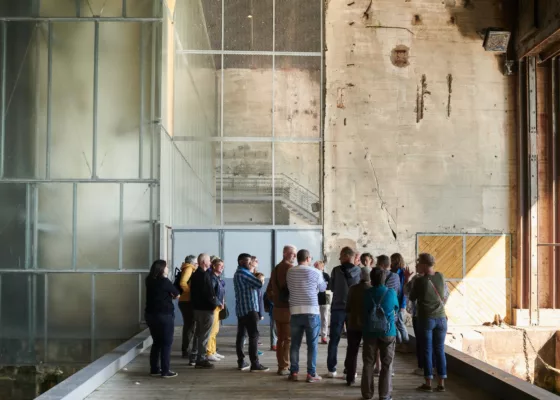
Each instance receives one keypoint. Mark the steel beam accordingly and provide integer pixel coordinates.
(75, 226)
(252, 53)
(121, 225)
(46, 319)
(95, 99)
(88, 180)
(49, 101)
(554, 156)
(273, 134)
(142, 94)
(78, 19)
(533, 192)
(92, 317)
(3, 98)
(522, 276)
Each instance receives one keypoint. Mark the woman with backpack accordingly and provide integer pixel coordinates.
(429, 291)
(379, 334)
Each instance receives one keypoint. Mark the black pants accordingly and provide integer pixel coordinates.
(161, 328)
(188, 329)
(351, 362)
(249, 324)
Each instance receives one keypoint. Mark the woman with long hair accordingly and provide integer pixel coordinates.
(220, 289)
(160, 317)
(397, 266)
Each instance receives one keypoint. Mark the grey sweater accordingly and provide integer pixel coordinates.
(342, 277)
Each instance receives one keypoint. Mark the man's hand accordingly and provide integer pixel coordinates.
(407, 274)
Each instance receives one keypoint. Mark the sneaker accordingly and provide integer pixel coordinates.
(259, 368)
(419, 371)
(324, 341)
(331, 374)
(259, 343)
(313, 378)
(192, 363)
(259, 353)
(350, 383)
(219, 356)
(293, 377)
(157, 373)
(169, 374)
(283, 372)
(344, 376)
(204, 365)
(244, 366)
(213, 358)
(273, 348)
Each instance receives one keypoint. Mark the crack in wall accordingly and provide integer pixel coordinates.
(421, 92)
(449, 91)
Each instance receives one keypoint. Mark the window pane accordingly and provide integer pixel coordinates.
(248, 96)
(119, 83)
(98, 226)
(248, 25)
(113, 326)
(298, 25)
(101, 8)
(72, 100)
(196, 96)
(247, 183)
(26, 93)
(69, 318)
(297, 183)
(22, 320)
(57, 8)
(143, 8)
(198, 24)
(54, 247)
(297, 97)
(13, 200)
(136, 225)
(195, 183)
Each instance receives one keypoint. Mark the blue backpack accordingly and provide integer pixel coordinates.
(378, 322)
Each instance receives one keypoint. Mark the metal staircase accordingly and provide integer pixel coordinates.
(297, 199)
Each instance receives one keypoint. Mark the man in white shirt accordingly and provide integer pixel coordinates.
(304, 283)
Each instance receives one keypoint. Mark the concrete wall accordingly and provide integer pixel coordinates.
(419, 128)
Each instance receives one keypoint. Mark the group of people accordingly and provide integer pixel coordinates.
(366, 301)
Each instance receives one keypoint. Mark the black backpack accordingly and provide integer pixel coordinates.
(177, 280)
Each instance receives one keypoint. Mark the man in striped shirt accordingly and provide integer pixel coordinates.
(304, 283)
(246, 287)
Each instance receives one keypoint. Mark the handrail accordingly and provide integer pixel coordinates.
(284, 187)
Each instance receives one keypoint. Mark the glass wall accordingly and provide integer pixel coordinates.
(252, 74)
(78, 174)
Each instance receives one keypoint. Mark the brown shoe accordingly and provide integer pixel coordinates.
(425, 388)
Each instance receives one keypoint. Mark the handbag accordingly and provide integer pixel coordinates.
(224, 313)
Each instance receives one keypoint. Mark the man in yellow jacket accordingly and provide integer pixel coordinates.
(185, 305)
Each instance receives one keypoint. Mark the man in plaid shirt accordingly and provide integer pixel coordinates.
(247, 287)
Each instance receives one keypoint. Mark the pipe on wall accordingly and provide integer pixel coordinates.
(522, 284)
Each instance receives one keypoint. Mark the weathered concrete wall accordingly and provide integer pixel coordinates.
(508, 350)
(419, 128)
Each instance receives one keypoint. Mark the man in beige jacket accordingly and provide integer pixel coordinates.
(276, 290)
(185, 305)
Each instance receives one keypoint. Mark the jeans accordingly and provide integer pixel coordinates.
(273, 333)
(211, 348)
(325, 317)
(402, 333)
(161, 328)
(338, 318)
(188, 330)
(434, 331)
(420, 344)
(351, 362)
(386, 348)
(310, 324)
(204, 320)
(248, 323)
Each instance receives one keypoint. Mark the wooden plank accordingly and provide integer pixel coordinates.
(488, 256)
(448, 252)
(225, 381)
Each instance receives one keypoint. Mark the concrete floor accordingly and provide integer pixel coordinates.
(225, 381)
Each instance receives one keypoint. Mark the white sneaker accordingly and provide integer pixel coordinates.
(219, 356)
(213, 358)
(331, 374)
